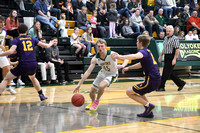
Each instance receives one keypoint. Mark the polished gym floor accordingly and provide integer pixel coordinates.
(175, 111)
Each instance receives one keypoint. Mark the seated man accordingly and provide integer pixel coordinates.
(161, 20)
(193, 22)
(82, 21)
(161, 36)
(43, 15)
(53, 55)
(151, 23)
(44, 63)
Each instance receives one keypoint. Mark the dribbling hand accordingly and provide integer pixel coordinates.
(76, 90)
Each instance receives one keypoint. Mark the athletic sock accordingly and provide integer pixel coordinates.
(40, 92)
(147, 105)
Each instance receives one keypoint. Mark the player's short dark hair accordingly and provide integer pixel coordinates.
(1, 18)
(22, 28)
(54, 38)
(144, 39)
(42, 39)
(102, 41)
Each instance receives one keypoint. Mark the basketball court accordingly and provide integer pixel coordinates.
(175, 111)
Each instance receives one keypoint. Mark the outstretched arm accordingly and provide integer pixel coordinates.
(10, 51)
(135, 66)
(115, 57)
(86, 74)
(44, 45)
(138, 55)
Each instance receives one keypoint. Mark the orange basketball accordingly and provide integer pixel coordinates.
(78, 100)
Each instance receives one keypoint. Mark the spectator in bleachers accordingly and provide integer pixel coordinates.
(108, 3)
(194, 34)
(161, 20)
(35, 31)
(54, 11)
(77, 5)
(82, 21)
(177, 30)
(181, 36)
(103, 5)
(136, 22)
(20, 3)
(161, 36)
(74, 40)
(133, 5)
(172, 4)
(44, 63)
(112, 18)
(122, 9)
(90, 4)
(162, 4)
(169, 8)
(54, 57)
(94, 23)
(103, 27)
(70, 11)
(128, 31)
(189, 36)
(43, 15)
(12, 24)
(185, 15)
(192, 4)
(61, 26)
(62, 5)
(197, 9)
(193, 22)
(151, 23)
(87, 40)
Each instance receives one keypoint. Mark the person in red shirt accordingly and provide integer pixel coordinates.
(193, 22)
(12, 24)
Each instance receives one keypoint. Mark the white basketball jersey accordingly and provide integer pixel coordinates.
(108, 66)
(2, 38)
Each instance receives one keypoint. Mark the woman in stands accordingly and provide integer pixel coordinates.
(12, 24)
(36, 31)
(87, 40)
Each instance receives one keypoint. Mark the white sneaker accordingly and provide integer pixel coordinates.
(20, 83)
(12, 82)
(89, 54)
(11, 90)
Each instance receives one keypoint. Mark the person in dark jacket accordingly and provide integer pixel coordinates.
(44, 63)
(103, 28)
(122, 9)
(82, 21)
(54, 57)
(90, 4)
(112, 18)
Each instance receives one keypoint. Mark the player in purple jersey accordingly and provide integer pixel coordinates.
(25, 47)
(152, 75)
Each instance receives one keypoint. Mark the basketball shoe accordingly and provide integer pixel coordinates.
(148, 111)
(94, 105)
(42, 97)
(11, 90)
(88, 106)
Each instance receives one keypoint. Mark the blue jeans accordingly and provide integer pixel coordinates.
(167, 12)
(89, 45)
(84, 27)
(55, 11)
(46, 21)
(150, 28)
(101, 31)
(125, 12)
(137, 28)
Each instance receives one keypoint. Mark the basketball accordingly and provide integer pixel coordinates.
(78, 100)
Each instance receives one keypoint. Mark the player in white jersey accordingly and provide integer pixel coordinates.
(4, 63)
(105, 76)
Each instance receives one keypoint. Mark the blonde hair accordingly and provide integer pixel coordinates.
(101, 41)
(62, 17)
(83, 8)
(113, 5)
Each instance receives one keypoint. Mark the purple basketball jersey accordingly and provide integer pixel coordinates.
(25, 48)
(149, 64)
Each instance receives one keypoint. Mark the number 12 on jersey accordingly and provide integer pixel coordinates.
(27, 45)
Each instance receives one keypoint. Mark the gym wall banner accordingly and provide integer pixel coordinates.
(189, 50)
